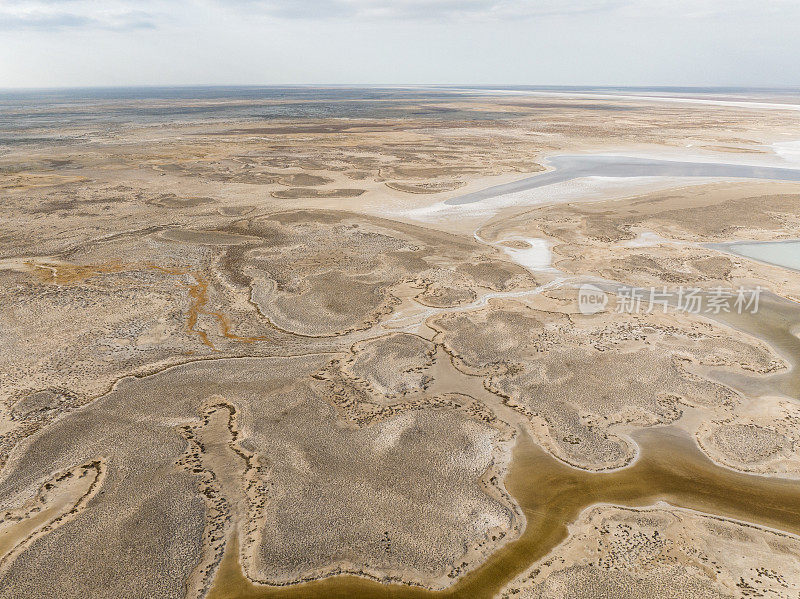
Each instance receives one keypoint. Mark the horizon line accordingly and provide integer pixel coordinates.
(456, 86)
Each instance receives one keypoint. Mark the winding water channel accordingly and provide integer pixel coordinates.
(551, 494)
(567, 168)
(670, 466)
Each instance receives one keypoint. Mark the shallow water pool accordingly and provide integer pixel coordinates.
(567, 168)
(779, 253)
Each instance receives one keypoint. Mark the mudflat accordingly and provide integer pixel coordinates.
(331, 342)
(552, 495)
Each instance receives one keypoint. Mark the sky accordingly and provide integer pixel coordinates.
(75, 43)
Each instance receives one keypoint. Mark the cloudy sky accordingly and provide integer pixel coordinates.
(51, 43)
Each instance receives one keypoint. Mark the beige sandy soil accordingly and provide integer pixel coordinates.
(237, 333)
(662, 551)
(657, 241)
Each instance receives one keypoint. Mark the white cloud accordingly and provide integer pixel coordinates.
(119, 15)
(426, 9)
(122, 15)
(509, 9)
(567, 42)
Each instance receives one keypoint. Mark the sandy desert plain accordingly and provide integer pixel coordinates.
(326, 342)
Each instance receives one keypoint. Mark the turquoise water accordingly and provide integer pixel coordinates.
(779, 253)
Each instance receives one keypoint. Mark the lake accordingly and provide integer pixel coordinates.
(779, 253)
(567, 168)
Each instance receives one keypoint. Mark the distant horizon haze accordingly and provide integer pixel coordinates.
(655, 90)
